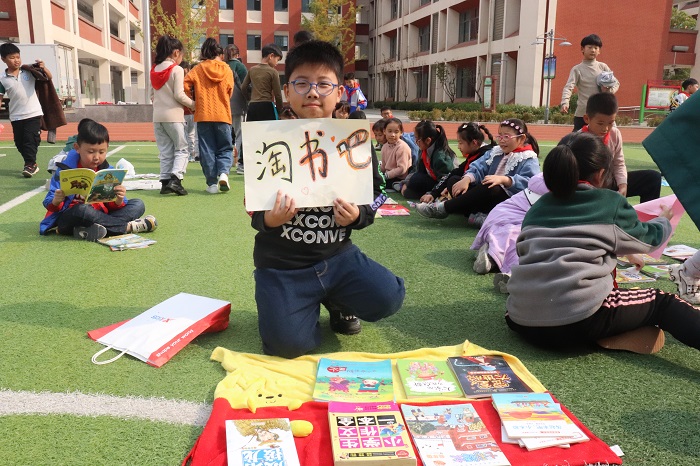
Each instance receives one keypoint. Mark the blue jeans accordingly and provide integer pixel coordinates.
(215, 149)
(289, 301)
(84, 215)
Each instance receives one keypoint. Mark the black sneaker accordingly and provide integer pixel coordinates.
(345, 325)
(175, 186)
(165, 187)
(91, 233)
(30, 170)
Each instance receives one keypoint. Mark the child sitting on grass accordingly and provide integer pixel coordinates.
(601, 111)
(396, 155)
(436, 160)
(295, 271)
(69, 215)
(499, 174)
(561, 292)
(378, 130)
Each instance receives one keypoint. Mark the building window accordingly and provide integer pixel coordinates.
(466, 83)
(392, 47)
(424, 2)
(225, 4)
(394, 9)
(281, 5)
(132, 37)
(424, 39)
(254, 42)
(114, 27)
(225, 39)
(254, 5)
(422, 84)
(134, 78)
(305, 6)
(85, 11)
(468, 25)
(282, 41)
(390, 86)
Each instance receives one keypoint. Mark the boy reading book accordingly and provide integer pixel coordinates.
(70, 215)
(295, 271)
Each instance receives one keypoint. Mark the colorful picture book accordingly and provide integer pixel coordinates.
(124, 242)
(369, 434)
(655, 271)
(355, 381)
(260, 442)
(452, 434)
(427, 378)
(624, 261)
(92, 186)
(393, 210)
(679, 251)
(632, 275)
(481, 376)
(525, 415)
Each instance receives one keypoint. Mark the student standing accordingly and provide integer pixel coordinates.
(584, 77)
(295, 274)
(239, 105)
(167, 79)
(25, 110)
(211, 81)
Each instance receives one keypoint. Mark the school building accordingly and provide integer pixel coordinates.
(97, 47)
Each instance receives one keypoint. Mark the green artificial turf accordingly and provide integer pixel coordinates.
(55, 289)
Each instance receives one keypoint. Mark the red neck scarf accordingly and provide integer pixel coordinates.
(426, 163)
(606, 138)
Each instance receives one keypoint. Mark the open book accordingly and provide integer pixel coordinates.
(91, 185)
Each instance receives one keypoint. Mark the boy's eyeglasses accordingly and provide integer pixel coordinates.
(507, 137)
(303, 87)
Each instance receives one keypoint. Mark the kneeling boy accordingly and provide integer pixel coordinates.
(69, 215)
(293, 278)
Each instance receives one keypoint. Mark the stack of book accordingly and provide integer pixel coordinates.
(680, 252)
(535, 421)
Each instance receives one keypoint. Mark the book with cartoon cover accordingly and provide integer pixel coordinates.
(356, 381)
(632, 275)
(452, 434)
(127, 241)
(260, 442)
(90, 185)
(421, 377)
(648, 260)
(481, 376)
(369, 434)
(533, 415)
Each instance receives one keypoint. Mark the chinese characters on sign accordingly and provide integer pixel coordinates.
(314, 161)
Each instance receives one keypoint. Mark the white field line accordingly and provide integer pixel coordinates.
(26, 196)
(81, 404)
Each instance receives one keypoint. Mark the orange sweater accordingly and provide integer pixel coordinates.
(210, 85)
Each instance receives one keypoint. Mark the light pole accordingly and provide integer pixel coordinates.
(549, 60)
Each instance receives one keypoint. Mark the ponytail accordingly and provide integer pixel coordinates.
(427, 129)
(488, 134)
(165, 47)
(577, 157)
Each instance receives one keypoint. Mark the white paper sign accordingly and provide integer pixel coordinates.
(314, 161)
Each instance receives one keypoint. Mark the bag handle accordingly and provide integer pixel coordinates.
(103, 350)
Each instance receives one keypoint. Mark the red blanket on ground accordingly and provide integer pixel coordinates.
(315, 450)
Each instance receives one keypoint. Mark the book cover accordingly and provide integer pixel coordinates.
(393, 210)
(369, 434)
(260, 442)
(452, 434)
(427, 378)
(679, 251)
(92, 186)
(648, 260)
(124, 242)
(355, 381)
(632, 275)
(655, 271)
(481, 376)
(533, 415)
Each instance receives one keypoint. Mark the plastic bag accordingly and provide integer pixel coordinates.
(124, 164)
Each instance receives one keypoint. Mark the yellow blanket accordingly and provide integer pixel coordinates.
(255, 380)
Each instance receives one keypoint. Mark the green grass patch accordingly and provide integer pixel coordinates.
(56, 289)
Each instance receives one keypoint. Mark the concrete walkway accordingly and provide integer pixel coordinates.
(143, 131)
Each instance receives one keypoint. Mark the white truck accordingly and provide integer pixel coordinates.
(59, 60)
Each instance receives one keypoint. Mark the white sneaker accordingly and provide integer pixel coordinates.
(483, 264)
(213, 189)
(688, 288)
(500, 282)
(223, 182)
(143, 225)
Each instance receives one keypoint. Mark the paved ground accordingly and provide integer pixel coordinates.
(143, 131)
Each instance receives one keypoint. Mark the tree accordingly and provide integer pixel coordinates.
(191, 21)
(447, 76)
(682, 20)
(332, 21)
